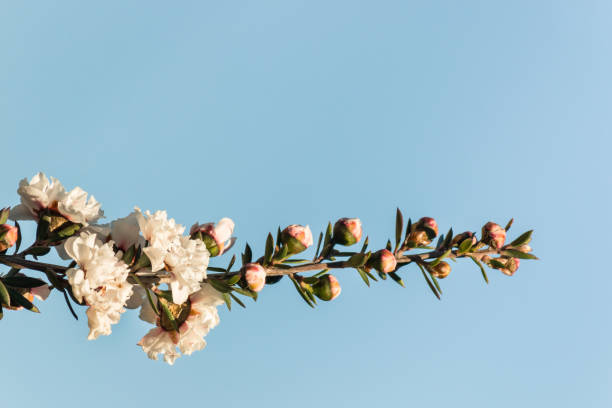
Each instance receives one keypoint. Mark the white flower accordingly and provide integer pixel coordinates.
(39, 194)
(162, 234)
(202, 318)
(99, 280)
(187, 265)
(125, 232)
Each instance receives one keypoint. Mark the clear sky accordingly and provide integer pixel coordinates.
(281, 112)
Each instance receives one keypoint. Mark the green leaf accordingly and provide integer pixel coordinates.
(296, 261)
(431, 286)
(440, 242)
(215, 269)
(399, 226)
(358, 259)
(269, 250)
(231, 263)
(142, 261)
(220, 286)
(237, 299)
(465, 245)
(482, 269)
(23, 282)
(388, 245)
(318, 245)
(517, 254)
(523, 239)
(68, 231)
(319, 274)
(363, 276)
(497, 264)
(245, 292)
(233, 279)
(440, 258)
(397, 279)
(311, 280)
(18, 243)
(449, 238)
(370, 275)
(228, 300)
(247, 257)
(168, 313)
(301, 292)
(328, 235)
(365, 244)
(128, 256)
(37, 251)
(436, 283)
(18, 300)
(509, 224)
(4, 295)
(4, 214)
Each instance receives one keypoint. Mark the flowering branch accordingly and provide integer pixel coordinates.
(145, 261)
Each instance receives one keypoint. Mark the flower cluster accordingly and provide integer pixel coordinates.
(145, 260)
(99, 280)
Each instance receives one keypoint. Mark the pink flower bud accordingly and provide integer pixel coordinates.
(254, 276)
(347, 231)
(8, 236)
(441, 270)
(428, 225)
(493, 235)
(327, 288)
(218, 238)
(512, 265)
(297, 238)
(383, 261)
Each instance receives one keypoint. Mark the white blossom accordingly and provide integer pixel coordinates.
(187, 265)
(41, 193)
(161, 233)
(99, 279)
(190, 336)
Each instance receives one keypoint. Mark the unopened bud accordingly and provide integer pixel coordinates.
(217, 238)
(8, 236)
(417, 238)
(327, 288)
(428, 225)
(347, 231)
(254, 276)
(458, 239)
(493, 235)
(422, 232)
(441, 270)
(512, 265)
(383, 261)
(297, 238)
(524, 248)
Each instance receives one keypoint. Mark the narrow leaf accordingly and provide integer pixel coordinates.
(397, 279)
(431, 286)
(482, 269)
(363, 276)
(518, 254)
(399, 226)
(4, 295)
(237, 299)
(523, 239)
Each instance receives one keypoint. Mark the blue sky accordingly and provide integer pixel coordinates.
(281, 112)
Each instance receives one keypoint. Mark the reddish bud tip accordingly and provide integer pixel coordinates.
(327, 288)
(347, 231)
(297, 238)
(493, 235)
(383, 261)
(254, 276)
